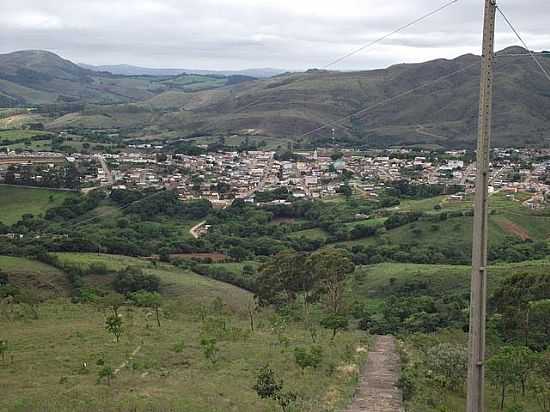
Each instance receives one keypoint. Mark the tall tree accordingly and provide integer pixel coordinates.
(332, 266)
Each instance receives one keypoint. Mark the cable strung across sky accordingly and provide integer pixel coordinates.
(400, 29)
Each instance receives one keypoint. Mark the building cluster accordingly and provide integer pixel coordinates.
(222, 177)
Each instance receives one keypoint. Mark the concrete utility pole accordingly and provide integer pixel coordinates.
(478, 296)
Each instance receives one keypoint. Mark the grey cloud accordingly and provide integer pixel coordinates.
(234, 34)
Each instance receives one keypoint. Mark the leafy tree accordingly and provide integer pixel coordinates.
(268, 387)
(113, 325)
(113, 301)
(311, 358)
(449, 363)
(335, 322)
(508, 367)
(346, 191)
(282, 279)
(151, 300)
(133, 280)
(332, 266)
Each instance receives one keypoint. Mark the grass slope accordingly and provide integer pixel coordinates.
(17, 201)
(45, 280)
(45, 371)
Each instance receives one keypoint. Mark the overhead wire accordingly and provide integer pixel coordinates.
(338, 122)
(520, 38)
(371, 44)
(386, 36)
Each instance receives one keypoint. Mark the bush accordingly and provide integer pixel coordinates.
(308, 359)
(130, 281)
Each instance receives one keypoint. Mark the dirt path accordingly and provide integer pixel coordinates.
(378, 390)
(194, 230)
(510, 227)
(125, 363)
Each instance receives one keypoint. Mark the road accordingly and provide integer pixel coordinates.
(378, 391)
(106, 170)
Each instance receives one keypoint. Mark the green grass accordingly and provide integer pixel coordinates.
(374, 281)
(17, 201)
(21, 134)
(421, 205)
(310, 234)
(44, 367)
(27, 274)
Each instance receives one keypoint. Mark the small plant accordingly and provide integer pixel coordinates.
(3, 349)
(178, 347)
(268, 387)
(106, 373)
(113, 324)
(209, 349)
(308, 359)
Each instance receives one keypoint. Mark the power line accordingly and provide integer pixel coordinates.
(388, 100)
(516, 32)
(372, 43)
(406, 26)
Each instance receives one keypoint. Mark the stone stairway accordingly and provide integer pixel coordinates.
(378, 391)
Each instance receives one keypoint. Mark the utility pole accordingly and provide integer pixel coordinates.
(478, 296)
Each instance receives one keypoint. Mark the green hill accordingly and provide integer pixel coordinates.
(35, 77)
(54, 361)
(438, 114)
(18, 201)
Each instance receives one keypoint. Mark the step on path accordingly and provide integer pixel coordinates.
(378, 391)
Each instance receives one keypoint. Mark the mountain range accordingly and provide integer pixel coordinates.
(129, 70)
(433, 103)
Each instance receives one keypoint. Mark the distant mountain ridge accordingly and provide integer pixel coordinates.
(434, 103)
(129, 70)
(38, 77)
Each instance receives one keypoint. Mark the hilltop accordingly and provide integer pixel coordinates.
(406, 106)
(38, 77)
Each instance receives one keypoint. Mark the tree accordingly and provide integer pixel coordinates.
(113, 301)
(113, 324)
(283, 278)
(335, 322)
(269, 387)
(332, 266)
(508, 367)
(151, 300)
(133, 280)
(346, 191)
(449, 364)
(308, 359)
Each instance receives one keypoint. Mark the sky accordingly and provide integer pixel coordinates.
(239, 34)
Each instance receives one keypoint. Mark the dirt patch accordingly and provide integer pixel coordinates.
(510, 227)
(215, 257)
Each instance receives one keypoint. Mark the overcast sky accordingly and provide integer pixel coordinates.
(238, 34)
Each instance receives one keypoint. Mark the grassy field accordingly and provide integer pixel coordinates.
(21, 134)
(53, 362)
(45, 280)
(374, 281)
(17, 201)
(311, 234)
